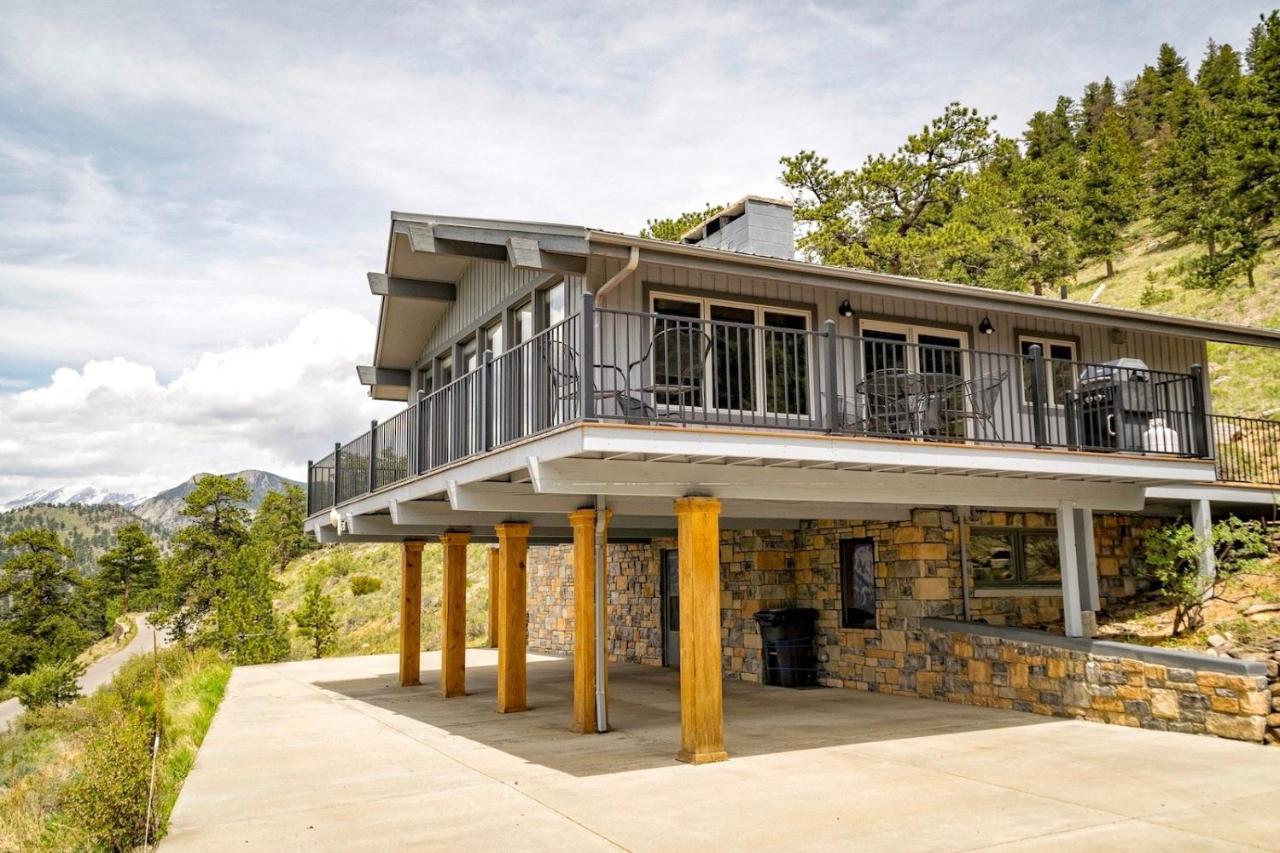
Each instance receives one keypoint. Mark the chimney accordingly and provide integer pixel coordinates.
(753, 225)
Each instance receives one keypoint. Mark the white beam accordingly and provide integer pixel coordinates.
(1202, 523)
(669, 479)
(1087, 560)
(1067, 555)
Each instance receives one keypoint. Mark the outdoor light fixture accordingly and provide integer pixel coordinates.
(845, 309)
(985, 326)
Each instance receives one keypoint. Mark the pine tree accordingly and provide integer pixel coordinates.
(277, 526)
(1255, 134)
(316, 620)
(673, 228)
(1098, 100)
(131, 566)
(194, 576)
(1218, 77)
(47, 619)
(242, 621)
(1109, 197)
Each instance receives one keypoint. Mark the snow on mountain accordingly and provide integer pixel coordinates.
(76, 493)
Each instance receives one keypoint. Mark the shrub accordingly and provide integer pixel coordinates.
(365, 584)
(1173, 561)
(48, 684)
(107, 799)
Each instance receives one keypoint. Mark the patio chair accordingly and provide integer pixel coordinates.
(881, 405)
(684, 349)
(982, 396)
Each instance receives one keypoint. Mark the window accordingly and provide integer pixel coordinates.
(1014, 557)
(857, 583)
(1059, 369)
(759, 358)
(890, 348)
(470, 356)
(522, 328)
(555, 301)
(493, 338)
(445, 367)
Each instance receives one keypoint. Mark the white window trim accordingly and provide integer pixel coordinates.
(704, 304)
(1045, 343)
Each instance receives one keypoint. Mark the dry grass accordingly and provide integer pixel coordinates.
(370, 624)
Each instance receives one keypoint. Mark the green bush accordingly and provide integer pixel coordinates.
(48, 684)
(365, 584)
(106, 801)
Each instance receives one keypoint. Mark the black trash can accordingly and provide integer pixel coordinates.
(789, 637)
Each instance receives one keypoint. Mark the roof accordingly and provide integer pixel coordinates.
(437, 250)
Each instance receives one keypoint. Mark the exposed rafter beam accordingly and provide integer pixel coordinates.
(412, 288)
(389, 376)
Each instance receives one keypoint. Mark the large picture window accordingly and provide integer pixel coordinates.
(1059, 369)
(1014, 557)
(758, 358)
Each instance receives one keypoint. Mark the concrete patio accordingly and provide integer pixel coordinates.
(331, 755)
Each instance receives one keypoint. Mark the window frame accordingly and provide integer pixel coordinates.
(1018, 555)
(758, 309)
(1046, 344)
(846, 577)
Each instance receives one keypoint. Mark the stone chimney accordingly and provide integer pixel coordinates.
(753, 225)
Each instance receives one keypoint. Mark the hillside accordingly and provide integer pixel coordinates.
(87, 529)
(163, 509)
(369, 624)
(1245, 380)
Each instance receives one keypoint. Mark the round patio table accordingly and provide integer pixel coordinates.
(916, 390)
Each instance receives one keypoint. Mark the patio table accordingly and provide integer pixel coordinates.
(917, 390)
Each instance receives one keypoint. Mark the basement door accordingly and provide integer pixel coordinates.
(670, 595)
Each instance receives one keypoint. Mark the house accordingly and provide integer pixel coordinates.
(665, 438)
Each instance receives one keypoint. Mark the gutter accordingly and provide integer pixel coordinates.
(633, 262)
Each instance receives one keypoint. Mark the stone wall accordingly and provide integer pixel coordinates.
(1099, 681)
(549, 579)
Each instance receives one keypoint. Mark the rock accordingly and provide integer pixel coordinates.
(1267, 607)
(1235, 727)
(1217, 641)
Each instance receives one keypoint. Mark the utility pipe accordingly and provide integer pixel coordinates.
(633, 263)
(602, 601)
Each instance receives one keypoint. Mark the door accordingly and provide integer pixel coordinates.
(671, 608)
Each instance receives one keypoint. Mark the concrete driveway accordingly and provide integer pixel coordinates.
(330, 755)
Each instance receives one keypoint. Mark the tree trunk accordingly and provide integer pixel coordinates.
(1039, 287)
(1111, 269)
(1252, 283)
(1213, 247)
(126, 596)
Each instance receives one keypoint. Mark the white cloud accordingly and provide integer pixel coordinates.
(113, 423)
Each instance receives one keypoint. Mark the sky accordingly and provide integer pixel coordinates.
(191, 194)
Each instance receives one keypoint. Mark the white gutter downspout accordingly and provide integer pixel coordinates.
(633, 263)
(602, 601)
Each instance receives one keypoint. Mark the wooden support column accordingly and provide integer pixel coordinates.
(585, 639)
(701, 688)
(493, 598)
(453, 616)
(410, 612)
(513, 630)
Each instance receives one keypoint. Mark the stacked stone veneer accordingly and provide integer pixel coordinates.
(917, 579)
(1100, 681)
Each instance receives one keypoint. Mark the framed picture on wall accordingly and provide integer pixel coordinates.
(858, 583)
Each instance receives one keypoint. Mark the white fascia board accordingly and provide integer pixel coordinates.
(842, 451)
(833, 487)
(1260, 495)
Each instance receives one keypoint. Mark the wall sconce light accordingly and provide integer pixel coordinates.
(845, 309)
(985, 326)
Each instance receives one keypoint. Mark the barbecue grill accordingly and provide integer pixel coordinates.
(1116, 404)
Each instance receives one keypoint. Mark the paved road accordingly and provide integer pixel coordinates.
(331, 755)
(98, 673)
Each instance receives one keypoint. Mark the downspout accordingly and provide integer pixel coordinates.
(633, 263)
(602, 601)
(962, 516)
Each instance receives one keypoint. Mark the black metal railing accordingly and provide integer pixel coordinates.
(1247, 449)
(624, 366)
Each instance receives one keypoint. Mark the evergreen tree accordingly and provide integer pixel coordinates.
(242, 622)
(1219, 75)
(1098, 100)
(1109, 197)
(277, 526)
(194, 577)
(1048, 132)
(47, 619)
(673, 228)
(1255, 134)
(132, 566)
(316, 620)
(887, 214)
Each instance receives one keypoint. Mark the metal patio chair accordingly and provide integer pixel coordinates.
(690, 347)
(982, 396)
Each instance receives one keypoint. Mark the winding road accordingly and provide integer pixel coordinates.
(98, 673)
